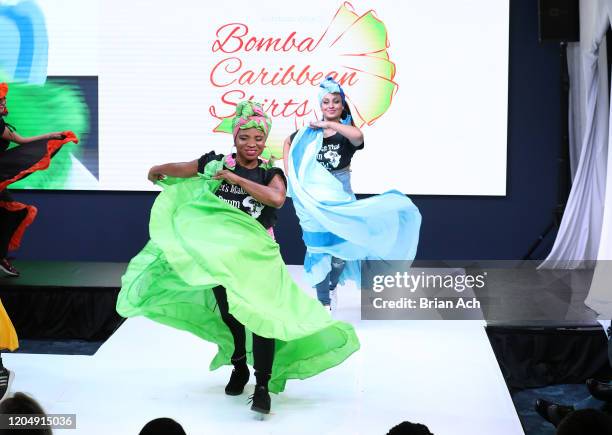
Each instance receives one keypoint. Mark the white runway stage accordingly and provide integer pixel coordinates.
(441, 373)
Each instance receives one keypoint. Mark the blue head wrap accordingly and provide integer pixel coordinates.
(330, 86)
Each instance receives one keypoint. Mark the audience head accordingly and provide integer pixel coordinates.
(162, 426)
(21, 403)
(407, 428)
(585, 421)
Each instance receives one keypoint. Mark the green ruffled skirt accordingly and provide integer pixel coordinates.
(199, 242)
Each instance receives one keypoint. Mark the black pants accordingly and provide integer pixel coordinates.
(263, 348)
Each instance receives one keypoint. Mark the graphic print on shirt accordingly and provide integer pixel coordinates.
(329, 156)
(237, 197)
(255, 207)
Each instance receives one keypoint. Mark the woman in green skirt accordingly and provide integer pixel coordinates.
(212, 267)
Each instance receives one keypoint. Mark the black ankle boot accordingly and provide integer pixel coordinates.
(261, 399)
(238, 379)
(552, 412)
(600, 390)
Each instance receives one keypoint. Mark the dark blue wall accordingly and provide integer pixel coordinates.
(112, 226)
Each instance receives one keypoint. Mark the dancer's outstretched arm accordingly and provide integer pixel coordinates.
(352, 133)
(180, 170)
(14, 137)
(273, 194)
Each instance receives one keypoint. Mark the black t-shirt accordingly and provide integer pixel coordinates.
(238, 197)
(336, 152)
